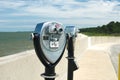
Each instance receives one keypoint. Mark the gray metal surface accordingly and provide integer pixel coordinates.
(55, 40)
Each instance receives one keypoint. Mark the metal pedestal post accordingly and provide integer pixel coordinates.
(71, 63)
(49, 73)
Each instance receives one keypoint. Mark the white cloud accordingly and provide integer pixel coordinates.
(2, 21)
(67, 11)
(11, 4)
(66, 8)
(73, 9)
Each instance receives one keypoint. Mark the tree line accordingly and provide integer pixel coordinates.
(110, 28)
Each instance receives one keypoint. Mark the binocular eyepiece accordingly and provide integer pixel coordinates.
(55, 29)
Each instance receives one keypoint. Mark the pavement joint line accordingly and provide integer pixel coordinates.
(112, 63)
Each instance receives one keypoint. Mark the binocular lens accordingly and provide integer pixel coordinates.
(60, 30)
(55, 29)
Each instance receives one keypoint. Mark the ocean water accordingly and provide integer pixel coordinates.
(14, 42)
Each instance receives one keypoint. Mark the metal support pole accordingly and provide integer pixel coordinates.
(71, 63)
(49, 73)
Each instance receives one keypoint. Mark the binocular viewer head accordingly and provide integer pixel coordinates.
(55, 29)
(71, 31)
(49, 42)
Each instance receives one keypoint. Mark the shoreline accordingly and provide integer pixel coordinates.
(16, 56)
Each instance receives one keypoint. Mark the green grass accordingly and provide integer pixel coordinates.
(14, 42)
(101, 34)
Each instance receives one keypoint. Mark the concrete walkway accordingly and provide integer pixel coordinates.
(95, 64)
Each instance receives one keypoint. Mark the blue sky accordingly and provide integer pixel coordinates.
(23, 15)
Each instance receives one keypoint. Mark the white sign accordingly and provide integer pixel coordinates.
(54, 44)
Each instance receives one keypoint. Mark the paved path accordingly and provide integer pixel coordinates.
(113, 49)
(95, 64)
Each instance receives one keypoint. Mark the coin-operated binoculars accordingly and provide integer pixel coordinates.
(71, 32)
(49, 41)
